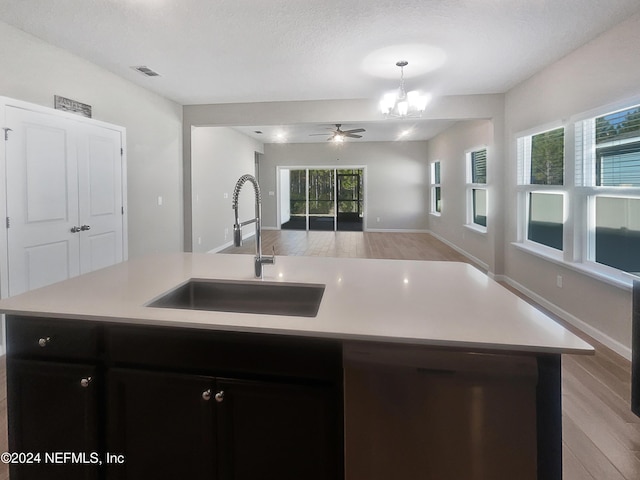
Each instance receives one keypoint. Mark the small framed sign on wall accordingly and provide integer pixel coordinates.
(66, 104)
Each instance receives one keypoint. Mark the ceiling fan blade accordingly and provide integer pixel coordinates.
(355, 130)
(351, 135)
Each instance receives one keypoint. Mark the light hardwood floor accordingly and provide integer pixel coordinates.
(601, 435)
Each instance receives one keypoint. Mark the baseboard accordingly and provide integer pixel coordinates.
(229, 244)
(601, 337)
(482, 265)
(221, 247)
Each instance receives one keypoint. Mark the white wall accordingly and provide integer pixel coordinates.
(395, 176)
(450, 149)
(285, 196)
(219, 157)
(602, 72)
(35, 71)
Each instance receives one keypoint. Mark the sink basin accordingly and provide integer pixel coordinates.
(270, 298)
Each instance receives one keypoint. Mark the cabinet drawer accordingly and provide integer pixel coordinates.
(224, 353)
(51, 338)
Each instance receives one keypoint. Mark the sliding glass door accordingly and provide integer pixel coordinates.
(350, 199)
(326, 199)
(293, 199)
(322, 200)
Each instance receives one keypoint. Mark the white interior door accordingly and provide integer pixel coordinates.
(42, 200)
(100, 194)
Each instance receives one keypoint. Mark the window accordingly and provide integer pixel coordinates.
(545, 219)
(436, 193)
(477, 189)
(541, 179)
(608, 174)
(617, 233)
(601, 236)
(547, 158)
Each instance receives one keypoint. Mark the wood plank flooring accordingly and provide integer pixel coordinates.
(601, 435)
(401, 246)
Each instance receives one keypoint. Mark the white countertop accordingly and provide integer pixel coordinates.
(395, 301)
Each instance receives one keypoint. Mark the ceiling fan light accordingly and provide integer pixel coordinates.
(338, 138)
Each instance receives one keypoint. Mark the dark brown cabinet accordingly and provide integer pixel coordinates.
(276, 430)
(168, 403)
(161, 424)
(53, 409)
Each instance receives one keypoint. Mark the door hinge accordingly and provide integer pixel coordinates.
(8, 222)
(121, 151)
(6, 133)
(122, 210)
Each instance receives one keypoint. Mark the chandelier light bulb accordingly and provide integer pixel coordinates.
(400, 104)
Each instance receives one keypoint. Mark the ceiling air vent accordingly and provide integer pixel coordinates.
(146, 71)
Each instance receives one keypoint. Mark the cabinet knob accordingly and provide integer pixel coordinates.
(44, 341)
(219, 396)
(85, 382)
(206, 395)
(84, 228)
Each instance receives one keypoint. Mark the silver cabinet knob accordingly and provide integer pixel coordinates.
(84, 228)
(85, 382)
(206, 395)
(219, 396)
(44, 341)
(75, 229)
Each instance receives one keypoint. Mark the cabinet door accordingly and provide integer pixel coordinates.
(53, 409)
(42, 200)
(162, 424)
(269, 430)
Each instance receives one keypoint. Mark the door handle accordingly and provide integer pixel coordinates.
(75, 229)
(84, 228)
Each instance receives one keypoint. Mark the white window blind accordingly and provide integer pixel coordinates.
(608, 150)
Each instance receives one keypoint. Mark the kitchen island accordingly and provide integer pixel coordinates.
(411, 369)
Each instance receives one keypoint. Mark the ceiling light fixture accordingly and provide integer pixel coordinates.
(400, 104)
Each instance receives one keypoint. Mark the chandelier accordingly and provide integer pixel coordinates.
(402, 104)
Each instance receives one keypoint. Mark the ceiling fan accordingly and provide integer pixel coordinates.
(338, 135)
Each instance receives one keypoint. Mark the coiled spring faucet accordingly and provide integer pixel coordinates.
(237, 226)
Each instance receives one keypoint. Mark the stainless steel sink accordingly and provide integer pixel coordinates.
(270, 298)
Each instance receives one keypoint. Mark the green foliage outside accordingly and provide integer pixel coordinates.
(321, 191)
(547, 158)
(618, 126)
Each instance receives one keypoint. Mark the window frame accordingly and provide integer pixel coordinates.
(472, 186)
(524, 189)
(580, 192)
(588, 190)
(435, 187)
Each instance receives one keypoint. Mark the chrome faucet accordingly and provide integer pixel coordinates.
(237, 226)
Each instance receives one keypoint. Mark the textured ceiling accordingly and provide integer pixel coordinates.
(227, 51)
